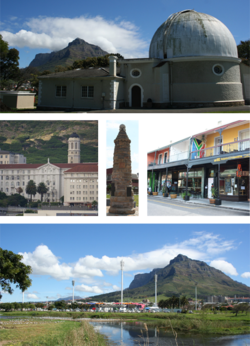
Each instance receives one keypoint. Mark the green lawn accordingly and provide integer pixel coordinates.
(227, 113)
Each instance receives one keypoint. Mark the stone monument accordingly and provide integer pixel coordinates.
(122, 196)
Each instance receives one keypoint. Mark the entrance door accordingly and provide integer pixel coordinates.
(136, 97)
(217, 149)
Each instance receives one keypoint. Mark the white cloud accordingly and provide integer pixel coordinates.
(85, 288)
(246, 275)
(116, 288)
(31, 296)
(44, 262)
(224, 266)
(55, 33)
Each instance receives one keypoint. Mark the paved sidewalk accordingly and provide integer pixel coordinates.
(244, 206)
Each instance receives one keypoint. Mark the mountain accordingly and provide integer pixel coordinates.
(76, 50)
(70, 298)
(179, 278)
(40, 140)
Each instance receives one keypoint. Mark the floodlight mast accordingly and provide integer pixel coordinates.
(196, 296)
(73, 284)
(122, 265)
(155, 289)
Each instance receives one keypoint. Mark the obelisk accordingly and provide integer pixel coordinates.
(122, 196)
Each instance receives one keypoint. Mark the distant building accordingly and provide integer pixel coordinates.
(216, 299)
(7, 157)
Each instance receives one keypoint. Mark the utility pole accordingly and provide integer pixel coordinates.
(73, 284)
(122, 265)
(196, 296)
(155, 289)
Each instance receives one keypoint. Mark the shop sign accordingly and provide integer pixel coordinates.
(232, 157)
(245, 173)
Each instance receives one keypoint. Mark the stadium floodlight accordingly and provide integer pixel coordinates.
(73, 284)
(155, 289)
(122, 265)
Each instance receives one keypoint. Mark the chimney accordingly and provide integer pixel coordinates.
(112, 65)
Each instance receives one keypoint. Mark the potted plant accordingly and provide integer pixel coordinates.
(186, 196)
(173, 194)
(164, 191)
(155, 193)
(214, 193)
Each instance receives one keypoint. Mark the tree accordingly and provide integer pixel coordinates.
(16, 200)
(184, 301)
(31, 188)
(19, 190)
(61, 304)
(42, 189)
(9, 63)
(25, 75)
(13, 271)
(62, 199)
(244, 51)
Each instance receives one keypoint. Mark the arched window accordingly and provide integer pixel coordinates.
(72, 146)
(75, 145)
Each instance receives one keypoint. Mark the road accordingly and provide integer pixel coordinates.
(158, 207)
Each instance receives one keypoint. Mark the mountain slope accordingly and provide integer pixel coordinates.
(179, 278)
(40, 140)
(76, 50)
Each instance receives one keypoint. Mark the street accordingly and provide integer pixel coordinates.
(166, 207)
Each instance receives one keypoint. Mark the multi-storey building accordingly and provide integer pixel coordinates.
(218, 157)
(55, 176)
(7, 157)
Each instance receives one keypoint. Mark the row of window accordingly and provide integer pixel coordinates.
(83, 186)
(87, 92)
(83, 192)
(83, 199)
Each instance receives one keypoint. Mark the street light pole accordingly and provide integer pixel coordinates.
(122, 265)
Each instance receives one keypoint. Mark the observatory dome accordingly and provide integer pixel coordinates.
(74, 135)
(192, 34)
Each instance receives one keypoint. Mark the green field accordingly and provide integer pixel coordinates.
(221, 323)
(37, 332)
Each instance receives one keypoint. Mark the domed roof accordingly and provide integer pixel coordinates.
(74, 135)
(189, 34)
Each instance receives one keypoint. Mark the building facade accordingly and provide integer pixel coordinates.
(193, 62)
(55, 176)
(218, 157)
(7, 157)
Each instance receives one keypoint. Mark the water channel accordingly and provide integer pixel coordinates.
(123, 334)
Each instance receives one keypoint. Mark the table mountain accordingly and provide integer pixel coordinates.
(76, 50)
(180, 276)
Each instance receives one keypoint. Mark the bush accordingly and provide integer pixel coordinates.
(55, 204)
(30, 211)
(33, 205)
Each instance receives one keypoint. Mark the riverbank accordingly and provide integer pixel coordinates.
(225, 323)
(37, 332)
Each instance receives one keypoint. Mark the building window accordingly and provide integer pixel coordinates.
(218, 70)
(88, 91)
(61, 91)
(135, 73)
(165, 157)
(159, 159)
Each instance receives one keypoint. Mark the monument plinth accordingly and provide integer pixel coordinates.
(122, 196)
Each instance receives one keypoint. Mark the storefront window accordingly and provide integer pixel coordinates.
(194, 180)
(229, 182)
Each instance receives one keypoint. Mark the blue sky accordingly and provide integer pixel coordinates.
(132, 130)
(90, 254)
(38, 27)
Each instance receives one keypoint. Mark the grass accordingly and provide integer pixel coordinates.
(227, 113)
(200, 322)
(50, 333)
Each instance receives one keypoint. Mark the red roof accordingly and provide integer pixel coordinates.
(22, 165)
(84, 167)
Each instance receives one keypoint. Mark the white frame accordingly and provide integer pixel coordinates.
(135, 69)
(166, 152)
(239, 135)
(218, 74)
